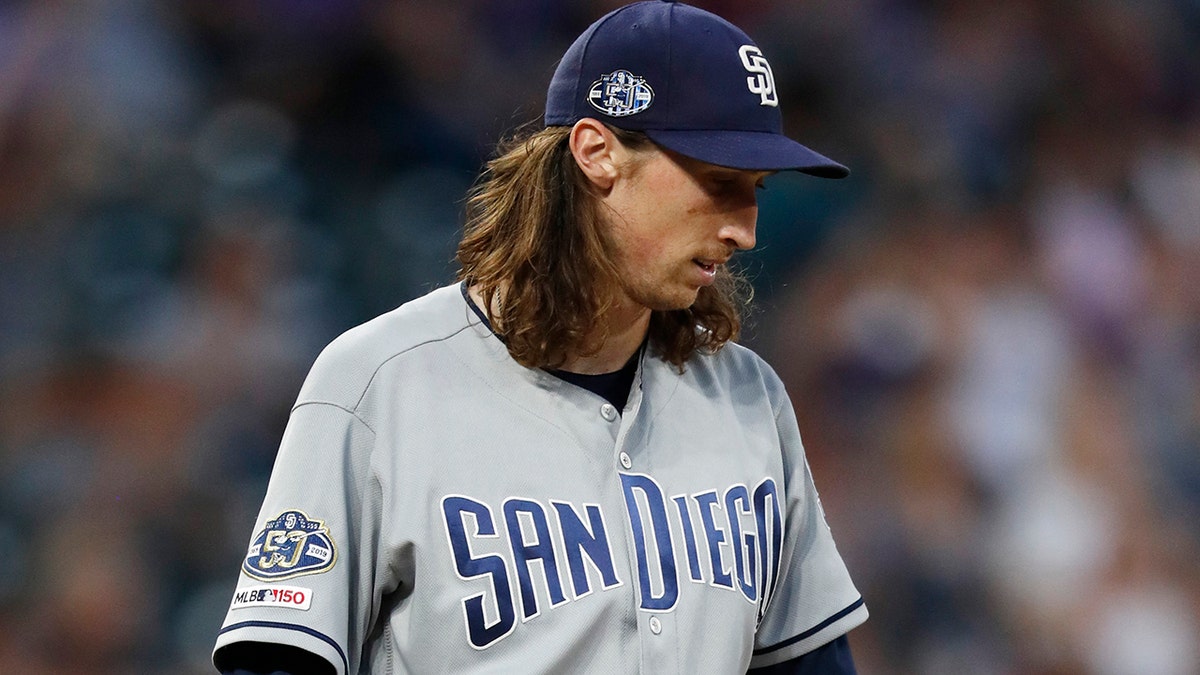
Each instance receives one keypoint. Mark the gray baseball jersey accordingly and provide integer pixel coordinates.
(436, 507)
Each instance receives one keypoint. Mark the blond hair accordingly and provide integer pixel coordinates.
(533, 228)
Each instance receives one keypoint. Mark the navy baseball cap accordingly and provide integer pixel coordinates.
(690, 80)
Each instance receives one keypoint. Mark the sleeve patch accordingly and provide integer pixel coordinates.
(291, 597)
(290, 545)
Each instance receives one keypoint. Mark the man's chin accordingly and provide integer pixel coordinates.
(674, 302)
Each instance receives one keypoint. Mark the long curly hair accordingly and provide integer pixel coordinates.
(533, 228)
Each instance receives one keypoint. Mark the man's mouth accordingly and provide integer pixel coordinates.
(711, 264)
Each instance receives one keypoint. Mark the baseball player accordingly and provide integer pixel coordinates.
(563, 463)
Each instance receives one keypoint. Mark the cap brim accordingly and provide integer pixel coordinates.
(753, 150)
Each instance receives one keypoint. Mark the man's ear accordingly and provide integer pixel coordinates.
(597, 152)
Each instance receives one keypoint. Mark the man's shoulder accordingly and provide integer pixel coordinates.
(735, 358)
(737, 366)
(429, 318)
(347, 365)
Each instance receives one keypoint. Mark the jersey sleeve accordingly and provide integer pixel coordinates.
(307, 579)
(814, 599)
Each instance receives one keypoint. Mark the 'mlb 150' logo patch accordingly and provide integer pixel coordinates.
(290, 545)
(291, 597)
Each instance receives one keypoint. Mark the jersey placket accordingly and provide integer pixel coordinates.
(655, 629)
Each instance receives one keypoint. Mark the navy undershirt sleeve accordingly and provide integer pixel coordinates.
(831, 659)
(265, 658)
(256, 658)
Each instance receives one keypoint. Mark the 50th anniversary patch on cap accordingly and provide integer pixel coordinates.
(290, 545)
(620, 93)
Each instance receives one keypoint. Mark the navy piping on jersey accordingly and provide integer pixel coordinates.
(475, 308)
(811, 631)
(289, 626)
(613, 387)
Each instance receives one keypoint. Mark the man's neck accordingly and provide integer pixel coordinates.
(627, 330)
(627, 325)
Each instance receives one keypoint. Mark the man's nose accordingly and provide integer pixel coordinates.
(738, 232)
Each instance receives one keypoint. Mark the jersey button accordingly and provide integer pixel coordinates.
(655, 625)
(626, 461)
(608, 411)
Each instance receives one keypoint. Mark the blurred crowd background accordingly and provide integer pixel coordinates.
(991, 330)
